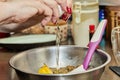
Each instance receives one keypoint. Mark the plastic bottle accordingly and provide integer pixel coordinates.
(101, 17)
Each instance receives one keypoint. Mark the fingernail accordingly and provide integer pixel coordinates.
(55, 21)
(64, 16)
(42, 25)
(69, 10)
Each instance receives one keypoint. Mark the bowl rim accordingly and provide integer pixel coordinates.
(90, 70)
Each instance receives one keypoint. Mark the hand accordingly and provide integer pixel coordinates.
(19, 14)
(65, 4)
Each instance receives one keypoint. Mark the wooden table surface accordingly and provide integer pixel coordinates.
(5, 70)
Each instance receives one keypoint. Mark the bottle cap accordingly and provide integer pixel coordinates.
(92, 27)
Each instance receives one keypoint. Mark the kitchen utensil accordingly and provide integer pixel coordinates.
(97, 36)
(27, 63)
(115, 69)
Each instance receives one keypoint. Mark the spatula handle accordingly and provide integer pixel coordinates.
(97, 36)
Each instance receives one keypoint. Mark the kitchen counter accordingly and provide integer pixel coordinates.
(6, 72)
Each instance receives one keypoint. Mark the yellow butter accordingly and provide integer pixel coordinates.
(45, 70)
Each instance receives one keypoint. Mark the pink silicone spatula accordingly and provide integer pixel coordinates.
(95, 40)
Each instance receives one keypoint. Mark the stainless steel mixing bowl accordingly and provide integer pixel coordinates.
(27, 63)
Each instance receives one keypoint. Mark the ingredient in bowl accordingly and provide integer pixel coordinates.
(49, 70)
(45, 70)
(62, 70)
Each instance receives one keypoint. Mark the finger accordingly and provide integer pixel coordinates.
(62, 3)
(118, 14)
(24, 14)
(43, 10)
(69, 3)
(65, 4)
(54, 6)
(47, 12)
(22, 11)
(11, 27)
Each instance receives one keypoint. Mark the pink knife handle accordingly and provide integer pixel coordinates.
(94, 43)
(88, 57)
